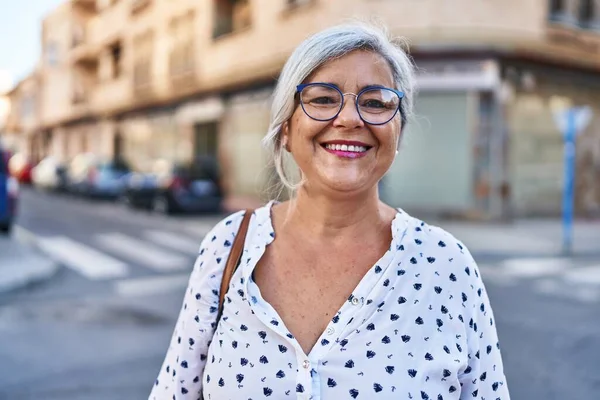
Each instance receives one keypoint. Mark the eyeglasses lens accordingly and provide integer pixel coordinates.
(375, 106)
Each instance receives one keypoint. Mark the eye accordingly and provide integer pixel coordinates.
(371, 103)
(323, 100)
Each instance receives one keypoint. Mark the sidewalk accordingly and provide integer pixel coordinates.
(21, 264)
(524, 238)
(520, 238)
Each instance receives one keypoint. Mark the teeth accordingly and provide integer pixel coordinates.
(343, 147)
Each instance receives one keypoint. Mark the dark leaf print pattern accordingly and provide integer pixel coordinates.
(426, 276)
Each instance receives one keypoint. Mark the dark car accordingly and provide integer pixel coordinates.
(175, 187)
(8, 195)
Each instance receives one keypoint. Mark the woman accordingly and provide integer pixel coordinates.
(338, 296)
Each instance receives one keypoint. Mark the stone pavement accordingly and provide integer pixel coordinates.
(20, 263)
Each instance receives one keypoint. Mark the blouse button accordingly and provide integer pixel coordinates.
(306, 364)
(330, 331)
(355, 301)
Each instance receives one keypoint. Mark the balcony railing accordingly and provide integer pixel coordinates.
(85, 5)
(139, 5)
(78, 35)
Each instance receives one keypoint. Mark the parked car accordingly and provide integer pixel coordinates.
(9, 189)
(89, 175)
(49, 174)
(20, 167)
(176, 187)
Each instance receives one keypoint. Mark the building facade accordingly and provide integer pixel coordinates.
(170, 80)
(22, 119)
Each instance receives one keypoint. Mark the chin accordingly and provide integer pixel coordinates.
(348, 185)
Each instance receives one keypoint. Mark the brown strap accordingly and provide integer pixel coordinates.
(233, 260)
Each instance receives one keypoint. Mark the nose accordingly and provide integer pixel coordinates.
(349, 116)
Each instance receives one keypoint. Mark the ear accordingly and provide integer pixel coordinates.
(285, 136)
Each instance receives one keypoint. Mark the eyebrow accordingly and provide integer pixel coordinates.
(369, 86)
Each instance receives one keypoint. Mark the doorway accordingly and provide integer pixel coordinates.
(205, 139)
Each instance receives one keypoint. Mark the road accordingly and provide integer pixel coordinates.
(100, 328)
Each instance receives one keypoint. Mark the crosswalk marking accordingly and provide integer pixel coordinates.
(174, 241)
(198, 231)
(534, 267)
(142, 252)
(151, 285)
(587, 275)
(83, 259)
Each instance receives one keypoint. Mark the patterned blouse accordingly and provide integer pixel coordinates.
(418, 326)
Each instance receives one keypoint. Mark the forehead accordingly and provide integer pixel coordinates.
(359, 68)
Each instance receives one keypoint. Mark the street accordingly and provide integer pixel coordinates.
(100, 327)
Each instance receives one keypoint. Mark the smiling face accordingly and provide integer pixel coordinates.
(345, 154)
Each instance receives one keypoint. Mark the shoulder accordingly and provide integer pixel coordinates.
(434, 243)
(224, 232)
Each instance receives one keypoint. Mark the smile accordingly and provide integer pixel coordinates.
(346, 150)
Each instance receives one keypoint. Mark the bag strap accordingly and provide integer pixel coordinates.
(233, 261)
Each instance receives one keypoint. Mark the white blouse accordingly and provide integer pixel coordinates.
(418, 326)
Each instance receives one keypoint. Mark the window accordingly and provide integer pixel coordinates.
(296, 3)
(182, 56)
(79, 95)
(205, 139)
(115, 58)
(231, 16)
(558, 11)
(78, 34)
(51, 54)
(27, 106)
(142, 64)
(586, 14)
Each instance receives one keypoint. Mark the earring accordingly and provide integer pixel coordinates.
(396, 152)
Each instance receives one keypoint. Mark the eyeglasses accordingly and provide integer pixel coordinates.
(375, 105)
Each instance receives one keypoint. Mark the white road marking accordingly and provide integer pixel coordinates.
(534, 267)
(141, 252)
(585, 275)
(198, 231)
(87, 261)
(496, 275)
(174, 241)
(152, 285)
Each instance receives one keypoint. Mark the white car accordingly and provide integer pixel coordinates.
(48, 174)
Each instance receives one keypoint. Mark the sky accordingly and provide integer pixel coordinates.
(20, 32)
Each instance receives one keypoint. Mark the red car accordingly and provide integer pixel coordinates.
(20, 167)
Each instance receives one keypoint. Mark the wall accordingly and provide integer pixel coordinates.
(244, 124)
(536, 145)
(55, 71)
(433, 170)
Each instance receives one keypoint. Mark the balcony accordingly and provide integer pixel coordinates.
(86, 55)
(80, 106)
(87, 6)
(112, 96)
(138, 6)
(108, 26)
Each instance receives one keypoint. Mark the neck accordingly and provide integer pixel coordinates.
(324, 218)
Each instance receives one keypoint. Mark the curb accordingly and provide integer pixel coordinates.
(33, 268)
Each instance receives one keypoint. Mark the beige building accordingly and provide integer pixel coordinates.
(20, 131)
(173, 79)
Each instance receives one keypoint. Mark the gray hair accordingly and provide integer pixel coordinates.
(329, 44)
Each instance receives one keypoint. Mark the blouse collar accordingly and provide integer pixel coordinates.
(265, 233)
